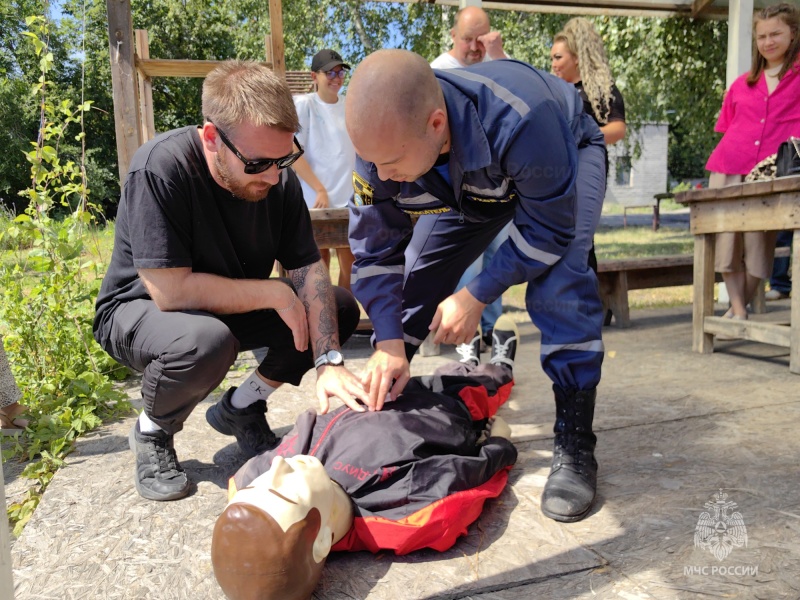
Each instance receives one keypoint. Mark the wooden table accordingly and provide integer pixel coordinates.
(330, 227)
(763, 205)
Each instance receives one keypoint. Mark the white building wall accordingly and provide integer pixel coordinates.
(648, 172)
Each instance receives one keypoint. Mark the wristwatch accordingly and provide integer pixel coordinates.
(331, 357)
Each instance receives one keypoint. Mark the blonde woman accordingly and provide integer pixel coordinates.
(578, 57)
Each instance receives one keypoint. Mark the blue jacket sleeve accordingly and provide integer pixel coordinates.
(542, 160)
(379, 233)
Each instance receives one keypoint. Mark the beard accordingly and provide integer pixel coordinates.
(250, 192)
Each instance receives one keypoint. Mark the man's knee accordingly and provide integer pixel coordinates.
(215, 346)
(204, 353)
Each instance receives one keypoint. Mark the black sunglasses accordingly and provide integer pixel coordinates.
(253, 167)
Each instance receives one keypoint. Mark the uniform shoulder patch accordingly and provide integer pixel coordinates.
(363, 191)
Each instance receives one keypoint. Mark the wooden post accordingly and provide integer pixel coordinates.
(703, 290)
(147, 128)
(6, 576)
(126, 101)
(794, 340)
(740, 32)
(276, 34)
(268, 49)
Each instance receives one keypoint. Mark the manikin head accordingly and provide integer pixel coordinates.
(271, 541)
(396, 115)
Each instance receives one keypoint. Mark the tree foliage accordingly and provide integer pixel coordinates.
(668, 69)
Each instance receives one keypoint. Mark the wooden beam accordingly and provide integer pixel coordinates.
(620, 8)
(125, 94)
(699, 7)
(173, 67)
(276, 33)
(147, 128)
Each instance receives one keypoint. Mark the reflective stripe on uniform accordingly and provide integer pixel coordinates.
(494, 193)
(591, 346)
(423, 199)
(515, 236)
(410, 339)
(514, 101)
(375, 270)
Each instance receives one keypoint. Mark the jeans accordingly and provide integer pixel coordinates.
(492, 311)
(780, 280)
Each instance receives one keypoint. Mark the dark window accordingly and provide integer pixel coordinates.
(623, 170)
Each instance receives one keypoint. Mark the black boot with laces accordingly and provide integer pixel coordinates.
(159, 475)
(248, 425)
(570, 489)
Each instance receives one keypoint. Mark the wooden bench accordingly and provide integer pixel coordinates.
(655, 205)
(619, 276)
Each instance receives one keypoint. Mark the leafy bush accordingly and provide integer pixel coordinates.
(49, 287)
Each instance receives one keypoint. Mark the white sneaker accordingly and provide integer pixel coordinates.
(775, 295)
(471, 353)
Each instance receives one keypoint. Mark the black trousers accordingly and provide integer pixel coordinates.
(184, 355)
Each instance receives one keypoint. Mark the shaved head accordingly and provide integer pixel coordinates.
(470, 24)
(471, 16)
(396, 115)
(392, 88)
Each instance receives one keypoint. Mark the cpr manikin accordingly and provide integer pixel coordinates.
(272, 539)
(414, 475)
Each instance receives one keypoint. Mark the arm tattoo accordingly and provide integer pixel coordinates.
(314, 287)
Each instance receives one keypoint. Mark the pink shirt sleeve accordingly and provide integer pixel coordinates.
(726, 114)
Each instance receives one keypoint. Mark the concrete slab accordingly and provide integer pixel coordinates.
(674, 427)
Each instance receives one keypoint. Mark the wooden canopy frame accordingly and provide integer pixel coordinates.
(132, 71)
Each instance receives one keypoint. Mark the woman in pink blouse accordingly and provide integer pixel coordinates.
(760, 110)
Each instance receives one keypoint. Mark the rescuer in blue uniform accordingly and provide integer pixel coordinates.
(470, 150)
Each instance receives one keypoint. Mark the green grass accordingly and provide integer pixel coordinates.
(666, 205)
(633, 242)
(610, 243)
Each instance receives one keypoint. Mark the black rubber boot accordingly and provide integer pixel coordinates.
(570, 489)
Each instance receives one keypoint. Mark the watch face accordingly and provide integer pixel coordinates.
(335, 357)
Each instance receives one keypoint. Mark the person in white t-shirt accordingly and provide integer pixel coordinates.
(473, 41)
(326, 168)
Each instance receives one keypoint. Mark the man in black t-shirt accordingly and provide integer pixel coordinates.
(204, 214)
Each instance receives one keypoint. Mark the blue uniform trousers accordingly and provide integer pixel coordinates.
(563, 302)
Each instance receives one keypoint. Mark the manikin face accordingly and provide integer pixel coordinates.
(773, 38)
(563, 63)
(291, 488)
(466, 46)
(253, 143)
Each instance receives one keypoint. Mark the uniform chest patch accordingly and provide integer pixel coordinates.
(363, 191)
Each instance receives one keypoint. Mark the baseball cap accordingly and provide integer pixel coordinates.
(325, 60)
